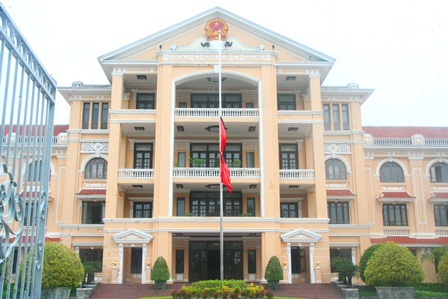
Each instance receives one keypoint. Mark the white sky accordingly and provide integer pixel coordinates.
(399, 48)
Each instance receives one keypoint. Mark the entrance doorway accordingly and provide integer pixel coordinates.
(205, 260)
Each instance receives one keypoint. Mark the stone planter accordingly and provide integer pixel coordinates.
(273, 284)
(395, 292)
(160, 285)
(350, 293)
(55, 293)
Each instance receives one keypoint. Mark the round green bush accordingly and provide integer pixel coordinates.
(62, 267)
(393, 265)
(160, 270)
(274, 269)
(442, 269)
(365, 258)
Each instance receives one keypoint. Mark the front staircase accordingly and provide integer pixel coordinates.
(134, 291)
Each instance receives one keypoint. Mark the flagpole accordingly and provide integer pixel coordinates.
(221, 201)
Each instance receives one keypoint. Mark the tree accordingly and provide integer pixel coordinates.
(393, 266)
(435, 255)
(365, 258)
(347, 270)
(442, 269)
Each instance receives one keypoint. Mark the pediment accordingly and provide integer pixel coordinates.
(244, 35)
(301, 236)
(132, 236)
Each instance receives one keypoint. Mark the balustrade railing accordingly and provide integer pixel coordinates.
(442, 232)
(297, 174)
(135, 173)
(200, 172)
(225, 112)
(392, 141)
(436, 141)
(396, 231)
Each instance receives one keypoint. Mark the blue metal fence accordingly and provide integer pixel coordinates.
(27, 98)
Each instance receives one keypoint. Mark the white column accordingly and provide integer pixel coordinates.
(120, 270)
(288, 252)
(354, 255)
(312, 274)
(143, 264)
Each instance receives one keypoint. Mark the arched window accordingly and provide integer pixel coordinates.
(391, 172)
(335, 170)
(96, 169)
(439, 173)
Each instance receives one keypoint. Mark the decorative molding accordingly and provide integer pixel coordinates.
(342, 148)
(94, 147)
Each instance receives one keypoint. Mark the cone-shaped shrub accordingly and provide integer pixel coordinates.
(160, 270)
(274, 269)
(393, 265)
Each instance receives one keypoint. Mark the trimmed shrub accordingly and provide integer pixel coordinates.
(62, 267)
(442, 269)
(160, 270)
(365, 258)
(393, 266)
(274, 269)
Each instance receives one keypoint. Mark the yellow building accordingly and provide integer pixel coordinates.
(135, 176)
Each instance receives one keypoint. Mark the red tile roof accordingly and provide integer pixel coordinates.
(92, 191)
(407, 132)
(57, 129)
(409, 240)
(400, 194)
(340, 192)
(439, 195)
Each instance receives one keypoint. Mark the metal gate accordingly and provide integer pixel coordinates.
(27, 98)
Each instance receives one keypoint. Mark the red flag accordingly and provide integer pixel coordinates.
(225, 174)
(223, 136)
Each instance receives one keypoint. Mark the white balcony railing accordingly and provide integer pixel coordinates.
(436, 141)
(29, 140)
(135, 173)
(443, 232)
(225, 112)
(396, 231)
(297, 174)
(392, 141)
(197, 172)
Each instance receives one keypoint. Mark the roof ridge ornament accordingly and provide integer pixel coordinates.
(212, 28)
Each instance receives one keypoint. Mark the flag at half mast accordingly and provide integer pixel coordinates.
(224, 169)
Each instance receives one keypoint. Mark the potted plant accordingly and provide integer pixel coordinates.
(346, 269)
(393, 270)
(236, 163)
(274, 272)
(160, 273)
(62, 270)
(196, 162)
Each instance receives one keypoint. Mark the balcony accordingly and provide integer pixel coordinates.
(297, 174)
(396, 231)
(225, 112)
(200, 172)
(135, 173)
